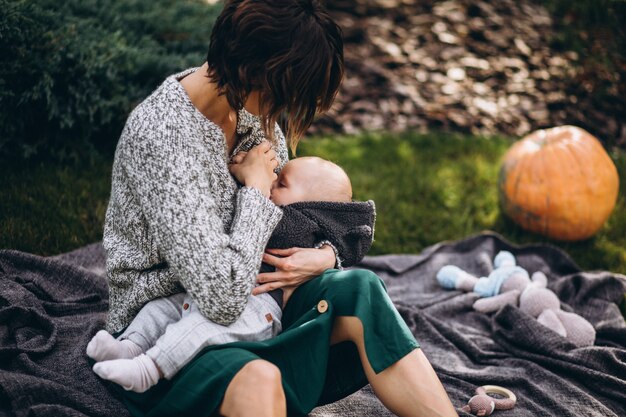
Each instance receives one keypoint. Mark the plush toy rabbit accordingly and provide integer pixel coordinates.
(509, 283)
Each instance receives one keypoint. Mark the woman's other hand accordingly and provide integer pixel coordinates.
(256, 167)
(297, 266)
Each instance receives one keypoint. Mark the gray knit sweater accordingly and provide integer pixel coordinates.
(176, 219)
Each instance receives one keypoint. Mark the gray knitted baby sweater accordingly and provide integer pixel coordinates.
(176, 219)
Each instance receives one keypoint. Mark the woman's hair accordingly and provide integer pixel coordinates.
(289, 50)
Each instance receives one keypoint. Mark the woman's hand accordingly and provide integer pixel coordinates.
(256, 167)
(297, 266)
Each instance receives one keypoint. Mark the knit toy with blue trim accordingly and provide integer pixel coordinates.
(509, 283)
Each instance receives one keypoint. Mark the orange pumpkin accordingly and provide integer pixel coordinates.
(558, 182)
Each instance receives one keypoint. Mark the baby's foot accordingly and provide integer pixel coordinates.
(137, 374)
(103, 347)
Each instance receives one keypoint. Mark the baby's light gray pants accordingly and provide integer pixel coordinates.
(172, 331)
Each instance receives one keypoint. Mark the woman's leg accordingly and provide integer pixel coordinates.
(409, 387)
(255, 391)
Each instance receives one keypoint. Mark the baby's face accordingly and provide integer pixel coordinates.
(291, 186)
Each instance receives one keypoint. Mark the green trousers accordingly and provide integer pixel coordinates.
(313, 372)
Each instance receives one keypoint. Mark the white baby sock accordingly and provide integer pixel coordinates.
(104, 347)
(137, 374)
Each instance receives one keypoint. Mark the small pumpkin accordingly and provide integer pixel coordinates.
(558, 182)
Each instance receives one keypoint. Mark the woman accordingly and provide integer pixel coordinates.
(177, 220)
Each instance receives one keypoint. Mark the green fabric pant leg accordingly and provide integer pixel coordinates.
(313, 373)
(362, 294)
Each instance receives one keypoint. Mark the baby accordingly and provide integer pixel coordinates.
(168, 332)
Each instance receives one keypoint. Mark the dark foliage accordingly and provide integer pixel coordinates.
(72, 70)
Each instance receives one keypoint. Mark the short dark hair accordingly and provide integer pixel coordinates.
(290, 50)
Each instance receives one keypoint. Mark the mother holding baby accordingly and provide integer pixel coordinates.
(190, 212)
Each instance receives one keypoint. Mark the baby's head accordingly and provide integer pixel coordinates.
(311, 179)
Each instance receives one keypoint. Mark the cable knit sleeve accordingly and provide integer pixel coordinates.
(169, 177)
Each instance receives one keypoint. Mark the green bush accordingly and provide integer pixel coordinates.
(72, 70)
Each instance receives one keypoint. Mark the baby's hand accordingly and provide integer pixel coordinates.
(237, 159)
(257, 168)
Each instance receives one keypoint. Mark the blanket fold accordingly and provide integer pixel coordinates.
(49, 309)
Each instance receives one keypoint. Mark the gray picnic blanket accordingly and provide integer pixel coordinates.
(51, 306)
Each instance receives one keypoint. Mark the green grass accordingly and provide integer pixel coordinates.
(49, 208)
(427, 188)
